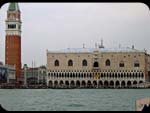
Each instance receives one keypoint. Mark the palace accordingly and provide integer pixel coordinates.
(97, 68)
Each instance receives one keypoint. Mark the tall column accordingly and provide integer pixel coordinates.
(25, 76)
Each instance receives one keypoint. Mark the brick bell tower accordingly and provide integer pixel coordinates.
(13, 39)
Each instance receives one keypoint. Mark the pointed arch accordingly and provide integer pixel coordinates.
(123, 84)
(96, 64)
(67, 83)
(100, 83)
(111, 83)
(72, 84)
(56, 63)
(95, 83)
(70, 63)
(106, 84)
(89, 84)
(77, 83)
(84, 62)
(117, 84)
(83, 83)
(121, 64)
(136, 63)
(129, 83)
(107, 63)
(50, 83)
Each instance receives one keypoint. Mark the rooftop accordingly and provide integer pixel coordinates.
(90, 50)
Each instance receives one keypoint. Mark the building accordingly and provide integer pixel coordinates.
(7, 74)
(13, 38)
(3, 74)
(98, 68)
(34, 75)
(1, 63)
(148, 65)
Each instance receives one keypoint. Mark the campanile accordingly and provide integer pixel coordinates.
(13, 38)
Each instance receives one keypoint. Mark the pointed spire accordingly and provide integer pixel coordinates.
(132, 46)
(95, 45)
(13, 7)
(83, 45)
(101, 46)
(101, 42)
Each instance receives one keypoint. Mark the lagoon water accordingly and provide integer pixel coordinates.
(71, 99)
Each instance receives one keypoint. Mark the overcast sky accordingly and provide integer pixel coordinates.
(56, 26)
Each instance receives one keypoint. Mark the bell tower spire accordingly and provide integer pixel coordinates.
(13, 38)
(13, 7)
(13, 21)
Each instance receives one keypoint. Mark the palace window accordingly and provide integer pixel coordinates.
(121, 64)
(84, 62)
(70, 63)
(136, 64)
(107, 63)
(96, 64)
(56, 63)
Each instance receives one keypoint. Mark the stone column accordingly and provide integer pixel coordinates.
(25, 76)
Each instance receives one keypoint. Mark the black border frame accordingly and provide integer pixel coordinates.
(146, 2)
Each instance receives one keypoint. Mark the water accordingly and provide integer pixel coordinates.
(71, 99)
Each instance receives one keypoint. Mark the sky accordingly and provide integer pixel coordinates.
(55, 26)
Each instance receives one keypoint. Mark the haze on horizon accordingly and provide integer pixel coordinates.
(56, 26)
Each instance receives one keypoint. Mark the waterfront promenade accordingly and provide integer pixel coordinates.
(12, 86)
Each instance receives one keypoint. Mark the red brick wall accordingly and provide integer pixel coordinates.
(13, 53)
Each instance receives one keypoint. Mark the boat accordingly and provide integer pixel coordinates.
(143, 104)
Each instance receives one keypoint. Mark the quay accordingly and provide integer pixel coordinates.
(12, 86)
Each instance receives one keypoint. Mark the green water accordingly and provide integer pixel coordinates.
(71, 99)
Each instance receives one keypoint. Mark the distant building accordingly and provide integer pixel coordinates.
(1, 63)
(148, 65)
(34, 76)
(7, 74)
(98, 67)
